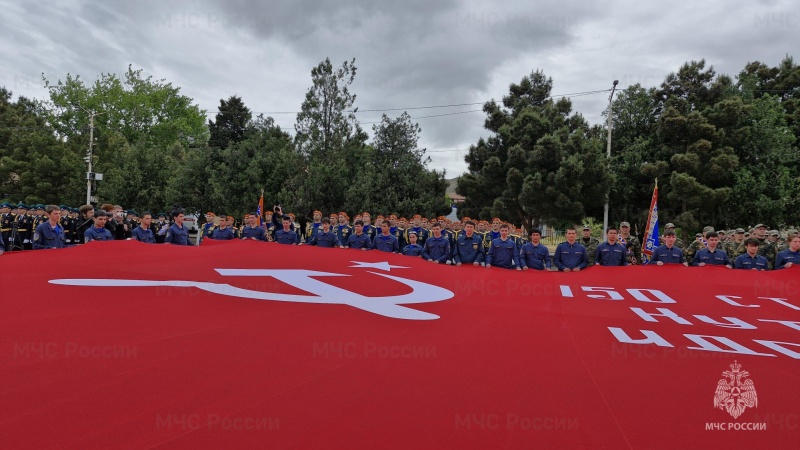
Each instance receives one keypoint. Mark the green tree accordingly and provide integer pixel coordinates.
(35, 166)
(539, 165)
(634, 156)
(701, 167)
(230, 124)
(133, 114)
(329, 139)
(394, 176)
(766, 187)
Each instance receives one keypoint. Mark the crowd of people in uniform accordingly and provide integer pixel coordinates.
(438, 240)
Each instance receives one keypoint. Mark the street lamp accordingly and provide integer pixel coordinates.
(608, 153)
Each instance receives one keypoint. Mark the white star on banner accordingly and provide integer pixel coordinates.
(377, 265)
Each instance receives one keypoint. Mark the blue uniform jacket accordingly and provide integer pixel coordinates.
(716, 258)
(607, 254)
(570, 256)
(386, 243)
(97, 234)
(343, 232)
(535, 256)
(503, 254)
(286, 237)
(413, 250)
(468, 250)
(222, 235)
(257, 233)
(47, 237)
(437, 249)
(746, 261)
(142, 235)
(323, 239)
(785, 257)
(177, 235)
(359, 241)
(667, 255)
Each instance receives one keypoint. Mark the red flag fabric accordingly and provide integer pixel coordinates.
(260, 345)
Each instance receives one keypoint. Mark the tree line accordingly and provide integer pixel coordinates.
(724, 152)
(156, 149)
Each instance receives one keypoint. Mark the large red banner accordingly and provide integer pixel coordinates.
(259, 345)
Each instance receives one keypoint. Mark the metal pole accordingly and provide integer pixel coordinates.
(89, 160)
(608, 155)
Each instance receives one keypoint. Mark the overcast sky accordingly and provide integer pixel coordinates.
(409, 54)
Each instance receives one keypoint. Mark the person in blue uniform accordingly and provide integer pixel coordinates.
(50, 234)
(503, 251)
(359, 240)
(369, 229)
(286, 235)
(143, 233)
(437, 247)
(207, 228)
(416, 227)
(98, 232)
(223, 232)
(468, 246)
(534, 254)
(343, 230)
(385, 241)
(789, 257)
(751, 260)
(570, 255)
(668, 253)
(325, 237)
(252, 230)
(177, 234)
(711, 255)
(611, 252)
(412, 248)
(313, 227)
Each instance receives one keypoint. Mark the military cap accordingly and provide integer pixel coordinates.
(707, 229)
(624, 224)
(63, 207)
(774, 233)
(163, 215)
(791, 231)
(669, 225)
(39, 207)
(410, 232)
(587, 227)
(740, 231)
(5, 205)
(761, 225)
(22, 206)
(722, 232)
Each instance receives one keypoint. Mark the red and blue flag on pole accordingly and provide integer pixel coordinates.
(650, 241)
(260, 210)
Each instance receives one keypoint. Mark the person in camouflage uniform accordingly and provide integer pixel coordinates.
(774, 236)
(697, 244)
(589, 242)
(765, 247)
(632, 245)
(733, 245)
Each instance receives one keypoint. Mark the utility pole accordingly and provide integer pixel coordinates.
(89, 160)
(608, 153)
(90, 175)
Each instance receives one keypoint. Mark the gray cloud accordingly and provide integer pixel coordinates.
(408, 54)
